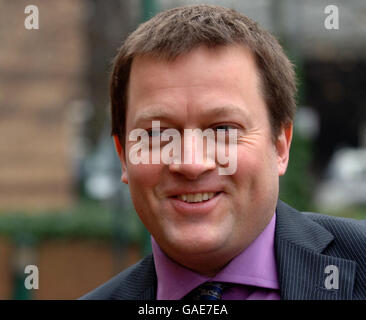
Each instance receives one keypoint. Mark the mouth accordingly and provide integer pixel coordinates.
(196, 197)
(195, 204)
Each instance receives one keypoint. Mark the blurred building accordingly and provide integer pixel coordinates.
(53, 106)
(53, 95)
(41, 74)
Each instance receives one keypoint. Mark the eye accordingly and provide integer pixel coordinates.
(154, 132)
(224, 127)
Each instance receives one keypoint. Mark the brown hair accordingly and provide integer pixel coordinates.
(177, 31)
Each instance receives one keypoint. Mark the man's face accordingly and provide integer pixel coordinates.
(206, 88)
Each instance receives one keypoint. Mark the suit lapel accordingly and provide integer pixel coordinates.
(138, 284)
(302, 268)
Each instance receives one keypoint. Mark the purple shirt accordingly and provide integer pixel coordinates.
(253, 271)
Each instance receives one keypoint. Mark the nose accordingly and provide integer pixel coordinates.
(197, 157)
(195, 161)
(194, 170)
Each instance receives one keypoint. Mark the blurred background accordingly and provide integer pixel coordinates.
(62, 205)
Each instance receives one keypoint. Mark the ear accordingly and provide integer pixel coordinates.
(121, 155)
(283, 148)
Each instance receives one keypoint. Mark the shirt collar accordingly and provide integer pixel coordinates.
(255, 266)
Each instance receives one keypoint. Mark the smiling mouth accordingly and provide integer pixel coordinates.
(196, 197)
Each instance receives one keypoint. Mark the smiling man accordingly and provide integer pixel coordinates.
(220, 236)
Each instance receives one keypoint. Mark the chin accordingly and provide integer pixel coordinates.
(197, 245)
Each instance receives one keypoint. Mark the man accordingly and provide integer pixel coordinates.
(220, 236)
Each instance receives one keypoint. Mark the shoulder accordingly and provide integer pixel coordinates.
(349, 235)
(336, 236)
(351, 229)
(135, 282)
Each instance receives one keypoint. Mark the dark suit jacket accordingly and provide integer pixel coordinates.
(305, 244)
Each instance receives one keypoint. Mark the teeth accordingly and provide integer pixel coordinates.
(190, 197)
(196, 197)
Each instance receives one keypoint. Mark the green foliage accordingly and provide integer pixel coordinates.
(86, 220)
(354, 212)
(296, 185)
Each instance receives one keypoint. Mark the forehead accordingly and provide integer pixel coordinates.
(188, 67)
(222, 75)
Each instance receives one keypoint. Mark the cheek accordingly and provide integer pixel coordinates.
(256, 188)
(249, 163)
(137, 175)
(256, 169)
(143, 181)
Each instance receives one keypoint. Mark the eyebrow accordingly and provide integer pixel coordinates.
(157, 113)
(153, 113)
(227, 109)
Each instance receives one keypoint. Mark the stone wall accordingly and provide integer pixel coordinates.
(41, 74)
